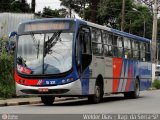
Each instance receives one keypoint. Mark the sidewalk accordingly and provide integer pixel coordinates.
(25, 101)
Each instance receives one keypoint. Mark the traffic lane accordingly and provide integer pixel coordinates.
(147, 103)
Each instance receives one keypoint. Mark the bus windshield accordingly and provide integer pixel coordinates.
(45, 53)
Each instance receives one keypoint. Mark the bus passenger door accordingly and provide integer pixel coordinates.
(83, 58)
(84, 55)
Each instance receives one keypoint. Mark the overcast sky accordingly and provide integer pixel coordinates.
(40, 4)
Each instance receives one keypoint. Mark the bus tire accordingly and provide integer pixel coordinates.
(134, 94)
(47, 100)
(98, 94)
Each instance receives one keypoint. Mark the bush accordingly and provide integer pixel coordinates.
(156, 84)
(7, 84)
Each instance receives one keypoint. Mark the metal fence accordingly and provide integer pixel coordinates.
(10, 21)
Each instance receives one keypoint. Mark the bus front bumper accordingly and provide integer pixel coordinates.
(70, 89)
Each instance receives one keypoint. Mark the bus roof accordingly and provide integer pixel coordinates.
(118, 32)
(46, 20)
(130, 35)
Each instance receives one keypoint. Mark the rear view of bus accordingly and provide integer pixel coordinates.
(44, 59)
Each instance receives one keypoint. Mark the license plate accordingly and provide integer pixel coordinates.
(43, 90)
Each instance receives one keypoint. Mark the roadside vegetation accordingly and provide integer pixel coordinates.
(156, 84)
(7, 85)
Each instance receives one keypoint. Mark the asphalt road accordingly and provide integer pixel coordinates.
(149, 102)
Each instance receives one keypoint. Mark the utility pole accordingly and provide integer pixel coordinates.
(123, 15)
(154, 32)
(154, 39)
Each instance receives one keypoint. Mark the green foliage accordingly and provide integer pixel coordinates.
(7, 84)
(5, 5)
(76, 5)
(110, 12)
(14, 6)
(87, 9)
(156, 84)
(49, 13)
(20, 7)
(139, 22)
(138, 18)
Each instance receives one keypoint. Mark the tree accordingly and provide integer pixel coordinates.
(138, 18)
(14, 6)
(149, 3)
(5, 5)
(109, 12)
(22, 6)
(139, 21)
(83, 7)
(93, 5)
(69, 4)
(23, 1)
(49, 13)
(33, 4)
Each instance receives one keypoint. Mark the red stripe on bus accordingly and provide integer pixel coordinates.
(129, 78)
(117, 68)
(24, 81)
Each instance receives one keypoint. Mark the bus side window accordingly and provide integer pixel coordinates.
(120, 46)
(127, 48)
(107, 41)
(114, 46)
(147, 52)
(142, 51)
(97, 45)
(135, 48)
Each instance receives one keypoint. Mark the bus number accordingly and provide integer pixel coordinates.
(50, 82)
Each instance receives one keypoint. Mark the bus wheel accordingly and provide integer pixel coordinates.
(97, 95)
(134, 94)
(48, 100)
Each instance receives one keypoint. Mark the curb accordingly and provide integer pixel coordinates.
(152, 88)
(3, 104)
(30, 102)
(18, 103)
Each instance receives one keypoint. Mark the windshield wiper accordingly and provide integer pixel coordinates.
(36, 44)
(51, 42)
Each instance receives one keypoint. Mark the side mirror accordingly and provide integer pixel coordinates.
(12, 34)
